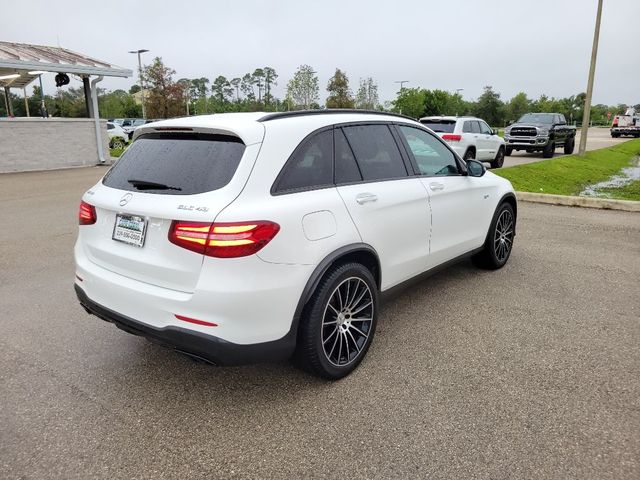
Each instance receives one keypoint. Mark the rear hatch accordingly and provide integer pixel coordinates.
(163, 176)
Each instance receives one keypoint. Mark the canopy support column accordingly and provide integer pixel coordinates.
(7, 102)
(96, 117)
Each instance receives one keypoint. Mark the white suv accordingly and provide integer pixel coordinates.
(247, 237)
(470, 137)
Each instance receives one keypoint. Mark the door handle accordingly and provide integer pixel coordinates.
(363, 198)
(436, 186)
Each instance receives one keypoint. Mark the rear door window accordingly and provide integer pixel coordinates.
(376, 152)
(310, 165)
(177, 164)
(347, 170)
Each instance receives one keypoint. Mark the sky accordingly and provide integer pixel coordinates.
(535, 46)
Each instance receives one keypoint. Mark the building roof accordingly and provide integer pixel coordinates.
(22, 58)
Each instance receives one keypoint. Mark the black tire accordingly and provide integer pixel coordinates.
(508, 151)
(469, 154)
(499, 242)
(344, 311)
(499, 160)
(569, 145)
(549, 149)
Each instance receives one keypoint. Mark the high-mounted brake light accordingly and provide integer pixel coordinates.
(86, 214)
(223, 240)
(452, 137)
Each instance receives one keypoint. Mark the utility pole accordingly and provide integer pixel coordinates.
(592, 69)
(144, 108)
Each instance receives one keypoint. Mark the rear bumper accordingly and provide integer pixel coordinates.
(206, 347)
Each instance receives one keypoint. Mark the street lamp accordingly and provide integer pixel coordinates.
(401, 82)
(144, 109)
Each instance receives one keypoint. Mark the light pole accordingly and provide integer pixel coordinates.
(144, 108)
(592, 69)
(458, 90)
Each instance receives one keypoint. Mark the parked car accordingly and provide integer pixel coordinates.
(540, 132)
(118, 138)
(470, 137)
(138, 122)
(247, 237)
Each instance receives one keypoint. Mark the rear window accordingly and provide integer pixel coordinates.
(177, 164)
(443, 126)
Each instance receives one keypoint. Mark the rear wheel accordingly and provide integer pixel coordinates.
(339, 322)
(499, 242)
(569, 146)
(549, 148)
(499, 160)
(469, 154)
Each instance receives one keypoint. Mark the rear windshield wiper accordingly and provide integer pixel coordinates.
(146, 185)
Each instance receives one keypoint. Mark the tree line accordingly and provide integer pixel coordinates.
(253, 91)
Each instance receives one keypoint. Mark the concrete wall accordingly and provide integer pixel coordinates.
(49, 143)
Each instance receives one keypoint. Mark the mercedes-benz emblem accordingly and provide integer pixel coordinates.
(125, 199)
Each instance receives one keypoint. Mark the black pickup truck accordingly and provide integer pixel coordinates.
(540, 132)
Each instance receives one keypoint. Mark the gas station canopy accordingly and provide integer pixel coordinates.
(21, 63)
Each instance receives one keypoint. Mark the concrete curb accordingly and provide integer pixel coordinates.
(603, 203)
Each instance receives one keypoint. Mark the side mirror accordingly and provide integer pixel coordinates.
(475, 168)
(511, 122)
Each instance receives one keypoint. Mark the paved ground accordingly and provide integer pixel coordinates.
(529, 372)
(597, 138)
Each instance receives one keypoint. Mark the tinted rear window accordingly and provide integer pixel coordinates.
(444, 126)
(187, 163)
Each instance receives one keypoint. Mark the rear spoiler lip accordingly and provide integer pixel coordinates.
(151, 128)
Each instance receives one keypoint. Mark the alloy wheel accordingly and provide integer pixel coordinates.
(347, 321)
(503, 237)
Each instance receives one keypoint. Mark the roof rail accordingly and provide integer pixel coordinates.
(328, 111)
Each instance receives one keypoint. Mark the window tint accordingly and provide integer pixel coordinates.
(311, 164)
(484, 128)
(441, 126)
(466, 128)
(346, 167)
(110, 126)
(376, 152)
(475, 126)
(432, 157)
(188, 163)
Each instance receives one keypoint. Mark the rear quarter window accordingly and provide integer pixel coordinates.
(187, 163)
(440, 126)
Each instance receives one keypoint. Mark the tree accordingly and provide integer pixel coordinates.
(339, 93)
(235, 83)
(410, 102)
(166, 98)
(518, 106)
(303, 88)
(489, 107)
(221, 89)
(258, 80)
(270, 80)
(135, 88)
(246, 87)
(367, 96)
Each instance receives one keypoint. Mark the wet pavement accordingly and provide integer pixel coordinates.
(530, 372)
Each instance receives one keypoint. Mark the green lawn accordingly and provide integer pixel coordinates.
(570, 175)
(116, 152)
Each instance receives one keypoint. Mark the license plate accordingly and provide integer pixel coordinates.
(130, 229)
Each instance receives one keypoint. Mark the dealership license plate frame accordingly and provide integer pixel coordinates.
(131, 236)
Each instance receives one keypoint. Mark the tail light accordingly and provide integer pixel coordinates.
(223, 240)
(452, 137)
(86, 214)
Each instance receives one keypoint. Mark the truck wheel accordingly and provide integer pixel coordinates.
(499, 160)
(549, 148)
(508, 151)
(569, 145)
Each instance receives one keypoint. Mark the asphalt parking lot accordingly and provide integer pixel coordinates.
(596, 138)
(532, 371)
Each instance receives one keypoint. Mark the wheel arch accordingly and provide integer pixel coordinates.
(357, 252)
(510, 198)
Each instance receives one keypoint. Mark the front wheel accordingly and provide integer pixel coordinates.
(569, 145)
(549, 148)
(499, 160)
(499, 242)
(117, 143)
(508, 151)
(339, 322)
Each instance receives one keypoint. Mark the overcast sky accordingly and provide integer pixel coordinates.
(536, 46)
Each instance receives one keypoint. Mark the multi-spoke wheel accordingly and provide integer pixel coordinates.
(339, 323)
(499, 242)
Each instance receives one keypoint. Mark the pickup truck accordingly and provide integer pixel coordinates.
(540, 132)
